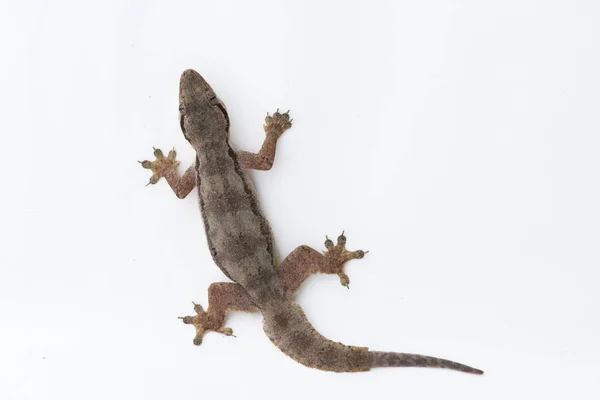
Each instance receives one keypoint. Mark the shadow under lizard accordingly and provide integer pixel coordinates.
(241, 242)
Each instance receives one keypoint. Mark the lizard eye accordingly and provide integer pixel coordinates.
(211, 96)
(181, 108)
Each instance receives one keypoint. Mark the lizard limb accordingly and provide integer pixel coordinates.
(274, 127)
(167, 167)
(305, 261)
(222, 297)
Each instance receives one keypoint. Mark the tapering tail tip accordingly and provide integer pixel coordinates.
(391, 359)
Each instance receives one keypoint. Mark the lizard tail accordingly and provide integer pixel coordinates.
(390, 359)
(289, 329)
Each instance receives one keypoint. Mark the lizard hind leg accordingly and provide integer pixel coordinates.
(222, 297)
(305, 261)
(201, 322)
(337, 255)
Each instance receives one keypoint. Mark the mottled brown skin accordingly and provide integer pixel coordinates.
(241, 243)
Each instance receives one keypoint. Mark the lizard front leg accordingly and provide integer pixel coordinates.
(167, 167)
(274, 127)
(305, 261)
(222, 297)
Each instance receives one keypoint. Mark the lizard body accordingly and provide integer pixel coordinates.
(241, 243)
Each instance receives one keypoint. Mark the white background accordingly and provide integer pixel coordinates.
(457, 141)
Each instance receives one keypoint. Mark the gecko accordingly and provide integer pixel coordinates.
(241, 242)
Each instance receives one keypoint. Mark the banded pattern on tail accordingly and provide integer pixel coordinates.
(391, 359)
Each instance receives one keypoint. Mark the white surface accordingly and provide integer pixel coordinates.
(457, 141)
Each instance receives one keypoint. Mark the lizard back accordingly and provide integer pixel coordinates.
(239, 236)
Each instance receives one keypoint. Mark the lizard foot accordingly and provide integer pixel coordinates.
(278, 123)
(337, 256)
(161, 165)
(203, 322)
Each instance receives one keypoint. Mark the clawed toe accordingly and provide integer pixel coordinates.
(340, 251)
(344, 280)
(277, 123)
(226, 331)
(337, 255)
(161, 165)
(202, 322)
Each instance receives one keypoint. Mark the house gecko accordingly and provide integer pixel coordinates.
(241, 243)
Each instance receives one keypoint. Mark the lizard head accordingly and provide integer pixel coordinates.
(201, 112)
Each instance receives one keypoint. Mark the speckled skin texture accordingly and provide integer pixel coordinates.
(241, 243)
